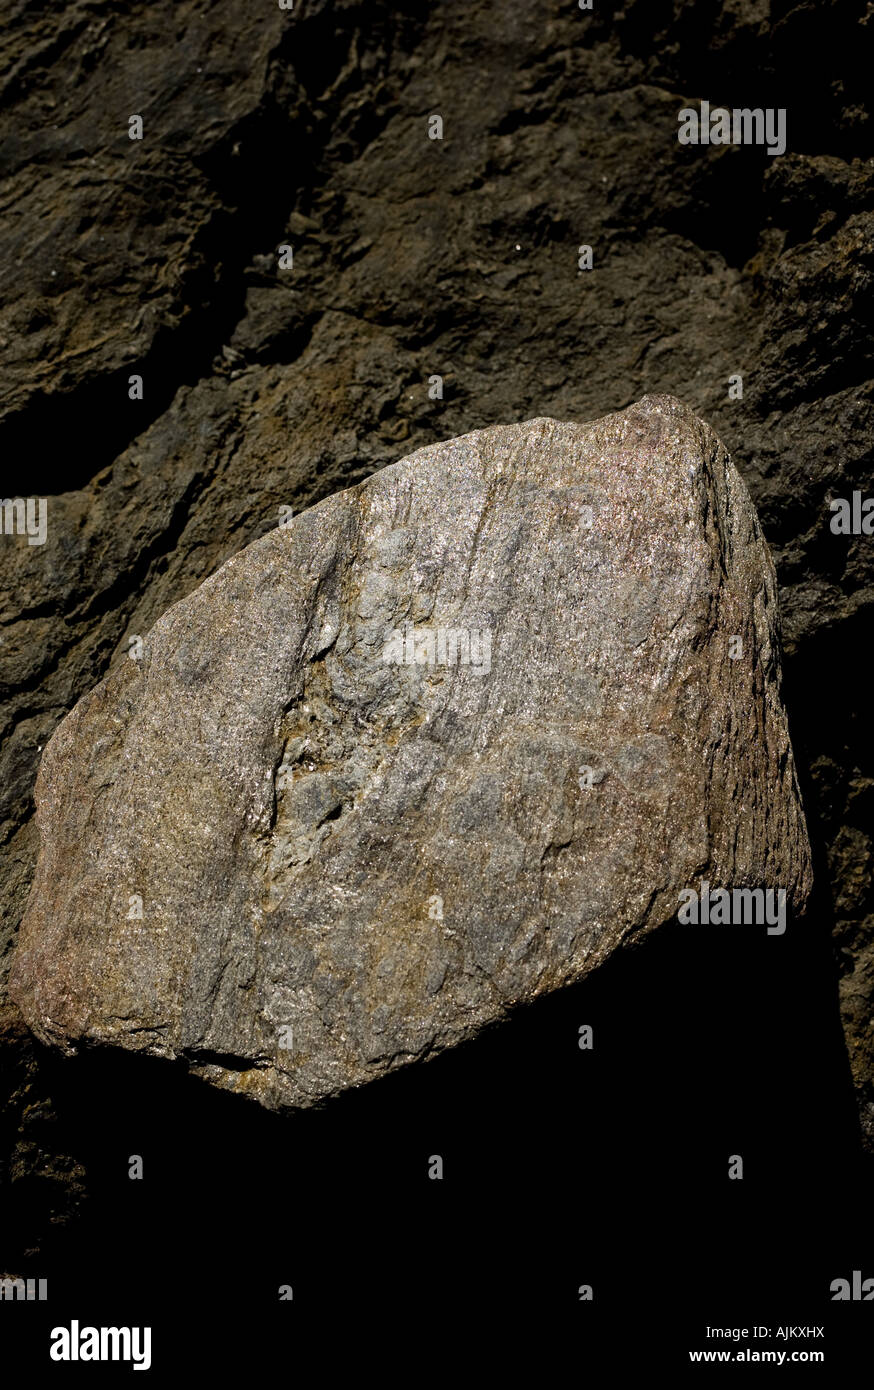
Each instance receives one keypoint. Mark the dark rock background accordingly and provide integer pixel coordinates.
(414, 257)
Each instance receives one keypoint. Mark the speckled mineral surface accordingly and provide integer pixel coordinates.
(436, 747)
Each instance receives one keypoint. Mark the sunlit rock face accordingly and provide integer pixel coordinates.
(436, 747)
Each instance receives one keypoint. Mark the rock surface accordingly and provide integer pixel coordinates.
(343, 822)
(412, 257)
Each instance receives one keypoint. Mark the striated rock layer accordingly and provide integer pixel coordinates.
(438, 746)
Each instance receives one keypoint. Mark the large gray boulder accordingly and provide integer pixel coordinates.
(435, 748)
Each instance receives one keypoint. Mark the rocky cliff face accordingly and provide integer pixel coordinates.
(416, 258)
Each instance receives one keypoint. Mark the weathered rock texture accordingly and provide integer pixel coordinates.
(382, 856)
(414, 257)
